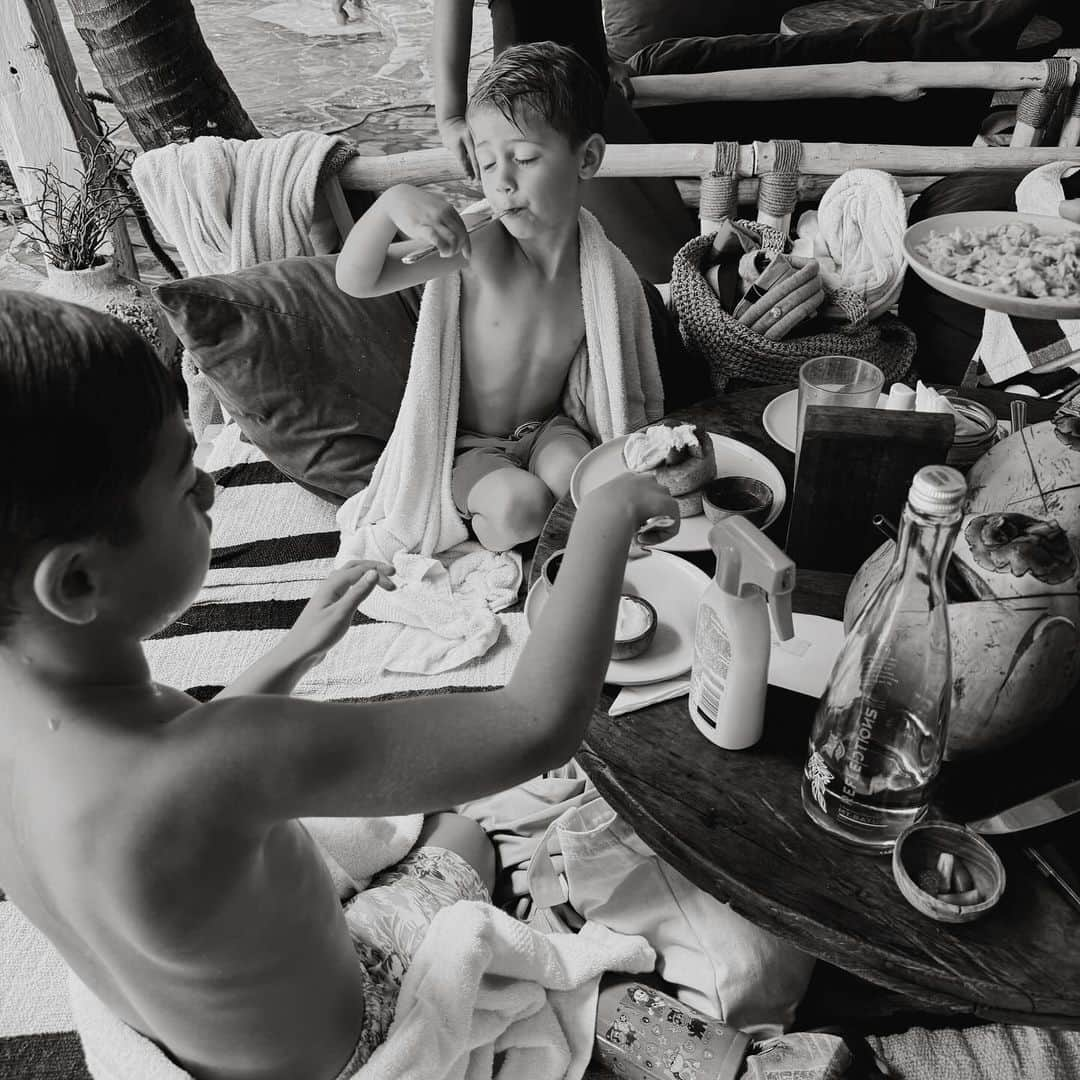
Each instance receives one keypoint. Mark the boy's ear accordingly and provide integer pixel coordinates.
(64, 584)
(592, 154)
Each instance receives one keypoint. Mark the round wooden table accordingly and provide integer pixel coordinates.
(1040, 38)
(733, 823)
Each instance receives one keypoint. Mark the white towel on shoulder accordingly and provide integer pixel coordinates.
(614, 388)
(481, 983)
(227, 204)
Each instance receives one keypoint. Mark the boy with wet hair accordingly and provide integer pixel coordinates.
(154, 840)
(534, 116)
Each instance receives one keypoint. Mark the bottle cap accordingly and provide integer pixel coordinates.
(937, 489)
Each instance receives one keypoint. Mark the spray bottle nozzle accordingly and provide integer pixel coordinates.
(747, 560)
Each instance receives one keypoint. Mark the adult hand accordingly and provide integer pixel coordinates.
(455, 136)
(620, 75)
(328, 614)
(788, 302)
(1070, 209)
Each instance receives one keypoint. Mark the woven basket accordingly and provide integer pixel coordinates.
(734, 351)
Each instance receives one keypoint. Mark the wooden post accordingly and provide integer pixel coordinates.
(43, 115)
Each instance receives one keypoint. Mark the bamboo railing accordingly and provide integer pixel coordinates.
(755, 160)
(903, 80)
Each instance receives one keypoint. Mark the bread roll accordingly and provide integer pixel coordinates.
(680, 456)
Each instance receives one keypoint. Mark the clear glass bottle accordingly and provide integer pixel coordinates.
(879, 732)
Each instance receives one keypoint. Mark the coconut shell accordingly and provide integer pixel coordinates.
(1015, 659)
(1033, 472)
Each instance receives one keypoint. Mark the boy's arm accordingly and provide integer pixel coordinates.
(370, 262)
(451, 41)
(321, 625)
(267, 759)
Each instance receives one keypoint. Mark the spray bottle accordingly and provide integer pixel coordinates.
(731, 640)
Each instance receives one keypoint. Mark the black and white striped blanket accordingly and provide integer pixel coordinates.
(273, 543)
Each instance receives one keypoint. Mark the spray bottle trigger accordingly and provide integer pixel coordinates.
(780, 610)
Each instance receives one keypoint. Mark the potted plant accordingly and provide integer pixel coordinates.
(71, 222)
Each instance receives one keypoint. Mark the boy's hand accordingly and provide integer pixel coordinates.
(328, 614)
(421, 215)
(454, 133)
(642, 497)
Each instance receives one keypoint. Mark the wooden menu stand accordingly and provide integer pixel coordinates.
(853, 464)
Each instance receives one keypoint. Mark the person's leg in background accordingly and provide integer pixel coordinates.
(645, 218)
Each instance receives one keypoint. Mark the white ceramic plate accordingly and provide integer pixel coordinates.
(780, 417)
(733, 458)
(673, 586)
(1026, 307)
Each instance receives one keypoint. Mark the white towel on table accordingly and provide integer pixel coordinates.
(857, 236)
(227, 204)
(1001, 349)
(610, 391)
(480, 984)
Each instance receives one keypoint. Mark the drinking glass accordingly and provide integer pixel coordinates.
(836, 380)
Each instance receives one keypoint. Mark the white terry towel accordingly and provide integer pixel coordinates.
(446, 605)
(612, 390)
(227, 204)
(857, 236)
(1002, 352)
(356, 849)
(480, 983)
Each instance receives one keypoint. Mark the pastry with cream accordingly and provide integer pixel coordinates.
(680, 456)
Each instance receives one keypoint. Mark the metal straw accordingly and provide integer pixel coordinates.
(1017, 416)
(431, 249)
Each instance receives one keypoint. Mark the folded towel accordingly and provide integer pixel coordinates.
(612, 390)
(231, 203)
(446, 606)
(481, 983)
(1010, 346)
(857, 235)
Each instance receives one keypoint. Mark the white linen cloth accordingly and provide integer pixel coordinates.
(857, 236)
(480, 984)
(1002, 352)
(231, 203)
(614, 388)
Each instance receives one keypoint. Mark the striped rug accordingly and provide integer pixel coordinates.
(273, 543)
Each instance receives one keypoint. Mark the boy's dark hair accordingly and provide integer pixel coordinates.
(82, 400)
(550, 80)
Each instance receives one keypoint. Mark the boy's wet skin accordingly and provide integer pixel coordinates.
(227, 927)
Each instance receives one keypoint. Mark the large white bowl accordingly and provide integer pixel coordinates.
(1025, 307)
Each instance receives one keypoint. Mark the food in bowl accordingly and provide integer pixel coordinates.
(635, 627)
(680, 456)
(1014, 259)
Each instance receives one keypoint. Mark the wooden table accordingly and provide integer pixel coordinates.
(1039, 39)
(733, 823)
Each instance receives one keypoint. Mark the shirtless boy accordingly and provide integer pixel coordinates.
(154, 840)
(534, 116)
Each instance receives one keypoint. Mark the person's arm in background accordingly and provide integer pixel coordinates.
(451, 40)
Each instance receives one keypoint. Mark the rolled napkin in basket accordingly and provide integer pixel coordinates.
(857, 235)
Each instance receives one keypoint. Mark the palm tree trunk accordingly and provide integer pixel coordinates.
(157, 68)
